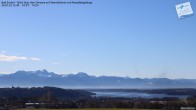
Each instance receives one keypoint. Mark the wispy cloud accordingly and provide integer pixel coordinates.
(56, 63)
(62, 54)
(10, 58)
(35, 59)
(3, 51)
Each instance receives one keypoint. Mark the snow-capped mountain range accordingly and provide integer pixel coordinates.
(83, 80)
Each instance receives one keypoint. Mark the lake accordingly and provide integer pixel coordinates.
(133, 94)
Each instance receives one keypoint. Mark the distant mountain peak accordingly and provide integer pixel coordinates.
(82, 74)
(45, 73)
(41, 73)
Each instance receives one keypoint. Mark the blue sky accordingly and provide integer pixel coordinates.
(133, 38)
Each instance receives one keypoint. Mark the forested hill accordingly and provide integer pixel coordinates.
(44, 92)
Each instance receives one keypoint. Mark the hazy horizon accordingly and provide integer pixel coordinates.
(91, 74)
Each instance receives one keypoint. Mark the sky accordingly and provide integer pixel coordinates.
(135, 38)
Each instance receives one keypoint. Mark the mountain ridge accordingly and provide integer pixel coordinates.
(84, 80)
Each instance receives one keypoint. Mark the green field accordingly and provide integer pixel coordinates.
(90, 109)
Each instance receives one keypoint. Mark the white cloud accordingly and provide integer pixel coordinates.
(10, 58)
(3, 72)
